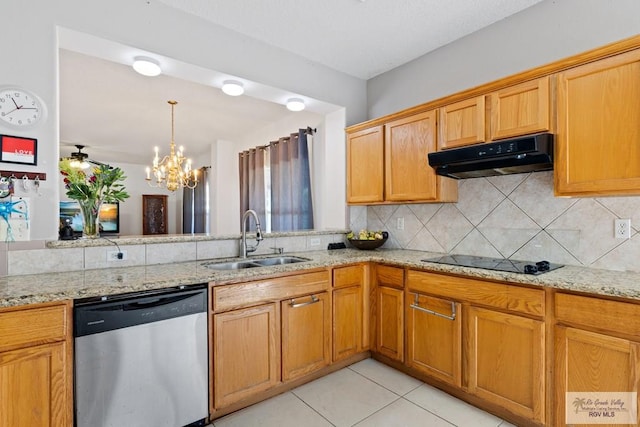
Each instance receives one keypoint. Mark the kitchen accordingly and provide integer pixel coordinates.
(398, 94)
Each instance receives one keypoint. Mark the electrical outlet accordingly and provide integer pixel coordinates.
(622, 228)
(20, 210)
(400, 223)
(314, 241)
(113, 255)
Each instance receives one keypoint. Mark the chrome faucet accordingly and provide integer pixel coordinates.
(246, 248)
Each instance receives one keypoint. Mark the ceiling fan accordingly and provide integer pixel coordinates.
(81, 160)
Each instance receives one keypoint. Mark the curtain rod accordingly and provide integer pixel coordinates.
(307, 131)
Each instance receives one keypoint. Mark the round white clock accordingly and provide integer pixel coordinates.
(20, 108)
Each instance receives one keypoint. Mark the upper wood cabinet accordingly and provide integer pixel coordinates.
(407, 142)
(462, 123)
(521, 109)
(401, 147)
(365, 166)
(598, 141)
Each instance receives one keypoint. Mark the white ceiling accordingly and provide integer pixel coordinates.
(120, 116)
(362, 38)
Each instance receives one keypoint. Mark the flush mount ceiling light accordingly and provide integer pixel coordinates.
(146, 66)
(295, 104)
(233, 87)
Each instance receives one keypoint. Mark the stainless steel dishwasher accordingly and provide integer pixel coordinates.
(142, 359)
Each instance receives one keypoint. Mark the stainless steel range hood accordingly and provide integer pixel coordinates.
(517, 155)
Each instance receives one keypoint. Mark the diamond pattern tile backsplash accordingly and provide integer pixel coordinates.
(517, 217)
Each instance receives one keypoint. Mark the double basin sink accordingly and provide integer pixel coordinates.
(253, 263)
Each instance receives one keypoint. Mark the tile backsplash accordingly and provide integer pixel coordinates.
(514, 216)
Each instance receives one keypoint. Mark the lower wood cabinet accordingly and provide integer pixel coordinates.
(390, 323)
(36, 367)
(247, 352)
(347, 322)
(588, 361)
(597, 349)
(505, 355)
(434, 337)
(306, 335)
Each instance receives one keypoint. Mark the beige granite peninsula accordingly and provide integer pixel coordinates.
(28, 289)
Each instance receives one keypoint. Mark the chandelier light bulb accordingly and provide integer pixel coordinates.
(295, 104)
(233, 87)
(146, 66)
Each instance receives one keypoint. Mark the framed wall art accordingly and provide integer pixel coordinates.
(17, 149)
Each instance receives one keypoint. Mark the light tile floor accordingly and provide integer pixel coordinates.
(365, 394)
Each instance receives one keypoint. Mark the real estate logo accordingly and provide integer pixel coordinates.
(601, 408)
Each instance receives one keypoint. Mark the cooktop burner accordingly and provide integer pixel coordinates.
(500, 264)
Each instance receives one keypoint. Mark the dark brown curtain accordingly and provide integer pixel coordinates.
(252, 192)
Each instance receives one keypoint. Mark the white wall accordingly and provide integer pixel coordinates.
(546, 32)
(157, 28)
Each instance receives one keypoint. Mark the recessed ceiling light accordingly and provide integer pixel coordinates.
(295, 104)
(146, 66)
(233, 87)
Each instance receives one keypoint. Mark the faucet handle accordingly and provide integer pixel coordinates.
(277, 250)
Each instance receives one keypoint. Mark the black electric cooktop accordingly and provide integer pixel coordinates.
(500, 264)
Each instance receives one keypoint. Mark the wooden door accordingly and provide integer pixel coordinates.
(434, 337)
(247, 353)
(598, 141)
(365, 166)
(505, 355)
(521, 109)
(34, 387)
(306, 335)
(408, 175)
(462, 123)
(154, 214)
(347, 322)
(390, 323)
(588, 361)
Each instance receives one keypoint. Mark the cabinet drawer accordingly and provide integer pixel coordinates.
(598, 313)
(31, 326)
(251, 293)
(390, 276)
(348, 276)
(507, 297)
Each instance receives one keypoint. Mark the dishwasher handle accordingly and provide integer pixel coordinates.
(154, 302)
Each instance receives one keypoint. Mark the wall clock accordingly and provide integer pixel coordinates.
(20, 108)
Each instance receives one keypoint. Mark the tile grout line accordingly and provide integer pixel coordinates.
(311, 407)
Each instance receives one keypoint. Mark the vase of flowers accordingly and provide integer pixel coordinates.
(102, 184)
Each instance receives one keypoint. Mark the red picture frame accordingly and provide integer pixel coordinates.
(18, 149)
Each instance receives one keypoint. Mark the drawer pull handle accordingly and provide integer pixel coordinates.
(314, 299)
(416, 306)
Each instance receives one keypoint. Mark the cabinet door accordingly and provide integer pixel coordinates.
(390, 323)
(306, 335)
(408, 175)
(347, 322)
(365, 166)
(505, 354)
(434, 337)
(587, 361)
(462, 123)
(521, 109)
(598, 141)
(247, 353)
(34, 387)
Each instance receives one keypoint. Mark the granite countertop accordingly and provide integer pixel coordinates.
(37, 288)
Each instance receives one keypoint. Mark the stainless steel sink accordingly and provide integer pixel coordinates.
(253, 263)
(281, 260)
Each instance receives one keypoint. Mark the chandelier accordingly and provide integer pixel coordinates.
(170, 172)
